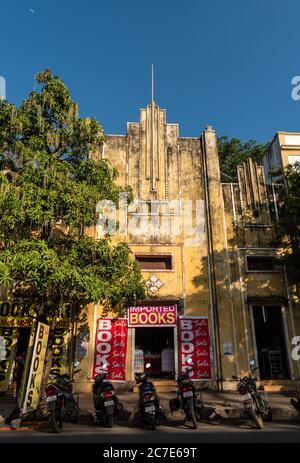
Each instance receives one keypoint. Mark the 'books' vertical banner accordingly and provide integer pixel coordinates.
(194, 348)
(110, 348)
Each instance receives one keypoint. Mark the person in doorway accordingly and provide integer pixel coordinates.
(138, 360)
(168, 360)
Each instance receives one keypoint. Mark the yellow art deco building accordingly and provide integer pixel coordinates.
(203, 246)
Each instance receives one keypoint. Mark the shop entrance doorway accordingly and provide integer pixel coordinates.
(270, 342)
(23, 340)
(155, 346)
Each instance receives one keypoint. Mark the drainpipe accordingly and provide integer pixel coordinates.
(211, 274)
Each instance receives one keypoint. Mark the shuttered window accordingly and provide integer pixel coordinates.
(261, 263)
(154, 262)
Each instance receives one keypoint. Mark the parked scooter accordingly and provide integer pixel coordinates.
(187, 398)
(149, 403)
(61, 402)
(255, 400)
(106, 403)
(296, 402)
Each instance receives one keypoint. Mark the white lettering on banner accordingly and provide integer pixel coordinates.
(187, 359)
(110, 348)
(103, 348)
(104, 336)
(194, 344)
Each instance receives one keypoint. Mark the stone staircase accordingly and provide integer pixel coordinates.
(161, 385)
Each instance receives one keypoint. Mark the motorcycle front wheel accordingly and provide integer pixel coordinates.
(56, 422)
(191, 415)
(257, 419)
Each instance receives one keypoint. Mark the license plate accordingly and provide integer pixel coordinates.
(108, 403)
(150, 409)
(51, 398)
(188, 394)
(246, 397)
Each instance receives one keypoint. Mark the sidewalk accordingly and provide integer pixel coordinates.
(218, 406)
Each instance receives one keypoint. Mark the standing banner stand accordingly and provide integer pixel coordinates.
(111, 348)
(194, 347)
(33, 383)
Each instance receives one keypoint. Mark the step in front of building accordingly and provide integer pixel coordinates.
(278, 385)
(163, 385)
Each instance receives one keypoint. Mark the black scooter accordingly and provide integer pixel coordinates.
(187, 399)
(106, 403)
(149, 404)
(255, 400)
(61, 402)
(296, 402)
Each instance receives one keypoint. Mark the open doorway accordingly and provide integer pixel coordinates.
(19, 359)
(23, 340)
(155, 346)
(270, 342)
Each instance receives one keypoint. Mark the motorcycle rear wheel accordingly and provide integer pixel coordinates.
(191, 415)
(56, 422)
(152, 422)
(75, 414)
(110, 421)
(268, 416)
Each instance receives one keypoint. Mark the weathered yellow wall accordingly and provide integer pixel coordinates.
(209, 278)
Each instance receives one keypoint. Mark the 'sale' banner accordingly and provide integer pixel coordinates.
(110, 348)
(194, 349)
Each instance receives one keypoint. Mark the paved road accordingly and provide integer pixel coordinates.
(279, 432)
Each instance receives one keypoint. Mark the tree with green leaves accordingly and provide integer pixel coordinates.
(288, 227)
(49, 190)
(233, 151)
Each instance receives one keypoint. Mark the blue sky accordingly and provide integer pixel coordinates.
(226, 63)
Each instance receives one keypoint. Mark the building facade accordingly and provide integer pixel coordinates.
(205, 248)
(205, 251)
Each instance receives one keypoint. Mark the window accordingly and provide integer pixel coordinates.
(260, 264)
(157, 262)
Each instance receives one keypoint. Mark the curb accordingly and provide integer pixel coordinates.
(238, 413)
(210, 413)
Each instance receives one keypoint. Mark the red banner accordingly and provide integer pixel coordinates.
(110, 348)
(194, 349)
(152, 316)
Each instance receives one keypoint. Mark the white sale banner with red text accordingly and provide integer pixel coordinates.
(194, 347)
(110, 348)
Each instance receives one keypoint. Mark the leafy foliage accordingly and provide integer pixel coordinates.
(233, 151)
(288, 229)
(49, 189)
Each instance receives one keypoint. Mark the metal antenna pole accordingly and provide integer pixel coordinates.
(152, 82)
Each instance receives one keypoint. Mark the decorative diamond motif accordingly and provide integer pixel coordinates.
(153, 284)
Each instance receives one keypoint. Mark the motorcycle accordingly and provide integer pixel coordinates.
(61, 402)
(255, 400)
(106, 403)
(187, 399)
(149, 404)
(296, 402)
